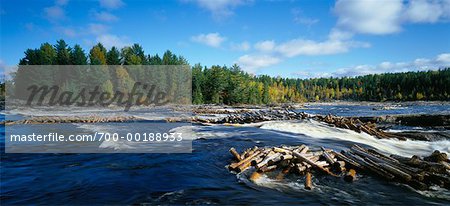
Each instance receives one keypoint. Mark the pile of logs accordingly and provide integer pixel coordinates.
(285, 114)
(358, 126)
(219, 111)
(419, 173)
(256, 116)
(71, 119)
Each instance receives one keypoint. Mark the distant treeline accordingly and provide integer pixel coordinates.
(231, 85)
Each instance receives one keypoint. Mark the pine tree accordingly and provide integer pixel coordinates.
(113, 56)
(62, 53)
(77, 56)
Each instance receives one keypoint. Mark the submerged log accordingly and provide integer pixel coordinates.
(350, 176)
(255, 176)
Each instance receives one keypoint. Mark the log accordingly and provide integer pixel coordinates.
(350, 176)
(348, 161)
(268, 168)
(235, 154)
(259, 158)
(236, 166)
(322, 163)
(403, 175)
(398, 167)
(303, 149)
(301, 157)
(281, 150)
(366, 163)
(308, 181)
(300, 168)
(270, 156)
(327, 156)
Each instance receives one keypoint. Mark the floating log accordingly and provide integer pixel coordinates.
(308, 181)
(268, 168)
(239, 166)
(236, 155)
(306, 160)
(417, 172)
(327, 156)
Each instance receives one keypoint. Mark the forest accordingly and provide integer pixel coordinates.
(231, 85)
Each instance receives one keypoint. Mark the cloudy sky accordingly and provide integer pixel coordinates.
(280, 38)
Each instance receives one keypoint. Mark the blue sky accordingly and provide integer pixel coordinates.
(280, 38)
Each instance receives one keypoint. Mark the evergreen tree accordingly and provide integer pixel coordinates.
(77, 56)
(62, 53)
(113, 56)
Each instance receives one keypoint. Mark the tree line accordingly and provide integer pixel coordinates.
(231, 85)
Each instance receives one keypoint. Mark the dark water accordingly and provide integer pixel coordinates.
(196, 178)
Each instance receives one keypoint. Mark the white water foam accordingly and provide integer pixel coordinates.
(320, 130)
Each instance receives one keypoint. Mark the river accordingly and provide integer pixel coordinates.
(201, 177)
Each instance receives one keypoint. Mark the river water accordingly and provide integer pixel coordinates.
(201, 177)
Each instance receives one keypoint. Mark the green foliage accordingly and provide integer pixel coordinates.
(97, 55)
(113, 56)
(228, 85)
(78, 57)
(62, 53)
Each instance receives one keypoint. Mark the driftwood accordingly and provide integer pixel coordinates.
(419, 173)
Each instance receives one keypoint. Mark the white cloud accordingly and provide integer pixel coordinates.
(444, 58)
(110, 40)
(251, 63)
(105, 16)
(244, 46)
(211, 39)
(420, 64)
(297, 47)
(265, 46)
(372, 17)
(337, 42)
(424, 11)
(386, 17)
(54, 13)
(220, 8)
(111, 4)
